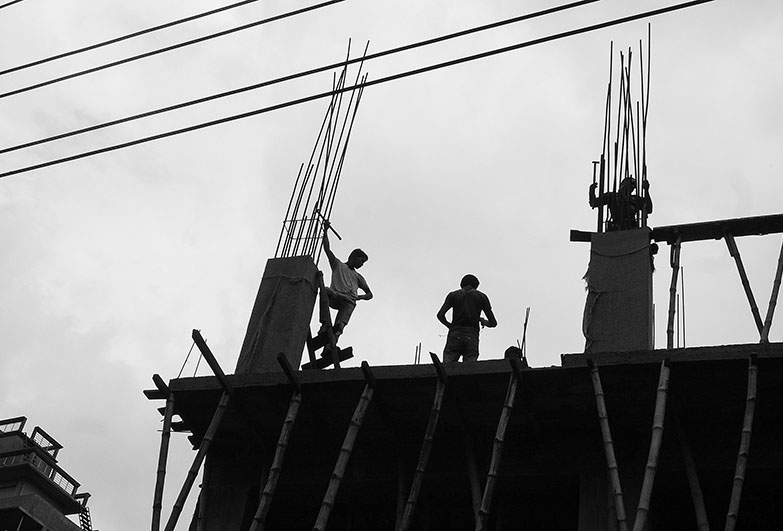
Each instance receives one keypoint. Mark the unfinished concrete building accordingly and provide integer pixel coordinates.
(621, 436)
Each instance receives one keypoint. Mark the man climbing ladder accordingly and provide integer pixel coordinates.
(346, 281)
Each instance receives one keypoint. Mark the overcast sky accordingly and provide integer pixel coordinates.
(483, 168)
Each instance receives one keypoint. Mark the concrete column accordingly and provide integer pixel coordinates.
(618, 314)
(281, 315)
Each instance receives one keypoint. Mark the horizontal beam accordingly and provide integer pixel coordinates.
(715, 230)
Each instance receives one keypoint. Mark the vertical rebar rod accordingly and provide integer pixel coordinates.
(682, 291)
(611, 461)
(345, 454)
(734, 252)
(643, 509)
(288, 209)
(773, 299)
(674, 262)
(742, 455)
(202, 452)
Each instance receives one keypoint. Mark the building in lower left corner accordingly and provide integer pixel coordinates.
(35, 493)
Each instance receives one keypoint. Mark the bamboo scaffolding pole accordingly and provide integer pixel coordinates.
(643, 509)
(201, 506)
(202, 452)
(402, 493)
(773, 299)
(345, 450)
(165, 436)
(497, 448)
(674, 261)
(702, 524)
(611, 461)
(742, 455)
(283, 439)
(734, 252)
(424, 453)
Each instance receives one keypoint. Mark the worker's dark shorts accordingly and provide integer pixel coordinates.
(461, 343)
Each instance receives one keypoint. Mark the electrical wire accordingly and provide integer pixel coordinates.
(409, 73)
(123, 38)
(10, 3)
(168, 48)
(297, 75)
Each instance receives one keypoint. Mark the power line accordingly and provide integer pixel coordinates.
(10, 3)
(409, 73)
(124, 37)
(297, 75)
(169, 48)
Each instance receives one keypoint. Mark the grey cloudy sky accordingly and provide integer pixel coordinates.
(110, 261)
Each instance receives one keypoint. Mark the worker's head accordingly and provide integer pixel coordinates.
(469, 280)
(627, 186)
(357, 258)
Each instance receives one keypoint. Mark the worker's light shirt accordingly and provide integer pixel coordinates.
(345, 280)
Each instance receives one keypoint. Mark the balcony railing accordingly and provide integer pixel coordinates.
(55, 474)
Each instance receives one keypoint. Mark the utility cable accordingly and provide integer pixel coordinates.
(298, 75)
(123, 38)
(10, 3)
(168, 48)
(409, 73)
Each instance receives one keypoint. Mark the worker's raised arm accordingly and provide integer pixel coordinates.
(327, 249)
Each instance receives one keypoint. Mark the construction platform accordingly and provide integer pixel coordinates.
(553, 473)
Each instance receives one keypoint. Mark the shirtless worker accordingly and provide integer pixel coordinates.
(346, 281)
(466, 305)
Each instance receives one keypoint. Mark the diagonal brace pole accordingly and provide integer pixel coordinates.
(734, 252)
(426, 446)
(497, 449)
(345, 450)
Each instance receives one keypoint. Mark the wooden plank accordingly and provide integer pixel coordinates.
(714, 230)
(325, 361)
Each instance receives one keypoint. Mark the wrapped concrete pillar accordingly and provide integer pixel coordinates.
(618, 315)
(281, 315)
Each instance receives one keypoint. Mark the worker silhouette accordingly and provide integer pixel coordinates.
(466, 305)
(623, 204)
(346, 281)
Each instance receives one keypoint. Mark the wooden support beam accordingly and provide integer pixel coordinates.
(742, 455)
(202, 452)
(702, 524)
(426, 446)
(497, 449)
(734, 252)
(345, 451)
(674, 261)
(165, 436)
(643, 509)
(611, 461)
(773, 299)
(270, 484)
(213, 364)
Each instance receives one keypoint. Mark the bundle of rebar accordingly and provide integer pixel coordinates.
(316, 183)
(624, 146)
